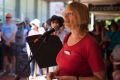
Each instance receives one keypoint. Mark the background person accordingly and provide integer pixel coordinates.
(115, 59)
(9, 30)
(57, 21)
(35, 30)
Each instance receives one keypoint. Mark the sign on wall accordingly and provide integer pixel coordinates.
(114, 7)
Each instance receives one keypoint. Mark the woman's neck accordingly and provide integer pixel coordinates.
(77, 33)
(75, 37)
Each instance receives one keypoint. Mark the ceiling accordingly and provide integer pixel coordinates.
(100, 1)
(91, 1)
(98, 14)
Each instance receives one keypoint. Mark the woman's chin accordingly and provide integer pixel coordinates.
(66, 25)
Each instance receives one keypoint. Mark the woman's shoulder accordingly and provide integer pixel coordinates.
(89, 39)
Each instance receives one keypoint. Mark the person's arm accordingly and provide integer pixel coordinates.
(116, 75)
(4, 39)
(97, 76)
(0, 35)
(12, 38)
(96, 62)
(52, 75)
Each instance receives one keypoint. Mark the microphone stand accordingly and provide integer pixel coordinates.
(19, 74)
(43, 40)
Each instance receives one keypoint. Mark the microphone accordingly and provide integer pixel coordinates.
(56, 28)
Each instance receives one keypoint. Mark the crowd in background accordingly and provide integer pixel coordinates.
(21, 48)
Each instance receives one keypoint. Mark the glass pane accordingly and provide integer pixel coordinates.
(10, 7)
(1, 11)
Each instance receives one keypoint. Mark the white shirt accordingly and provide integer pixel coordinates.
(116, 52)
(31, 33)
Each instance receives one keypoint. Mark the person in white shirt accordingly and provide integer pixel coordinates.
(115, 58)
(35, 30)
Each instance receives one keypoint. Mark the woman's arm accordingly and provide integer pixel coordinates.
(52, 75)
(97, 76)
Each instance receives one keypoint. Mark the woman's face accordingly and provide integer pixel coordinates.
(97, 27)
(71, 18)
(113, 29)
(54, 24)
(35, 27)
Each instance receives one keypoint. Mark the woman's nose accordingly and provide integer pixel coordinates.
(65, 17)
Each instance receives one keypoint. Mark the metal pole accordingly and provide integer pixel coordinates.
(26, 9)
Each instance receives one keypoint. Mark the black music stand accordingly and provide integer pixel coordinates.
(45, 55)
(44, 50)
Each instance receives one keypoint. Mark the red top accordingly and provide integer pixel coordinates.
(82, 59)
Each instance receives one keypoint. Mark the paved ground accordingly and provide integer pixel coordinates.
(23, 78)
(10, 78)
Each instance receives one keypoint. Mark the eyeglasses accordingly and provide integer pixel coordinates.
(68, 14)
(8, 17)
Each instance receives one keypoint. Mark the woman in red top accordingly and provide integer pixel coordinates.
(80, 58)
